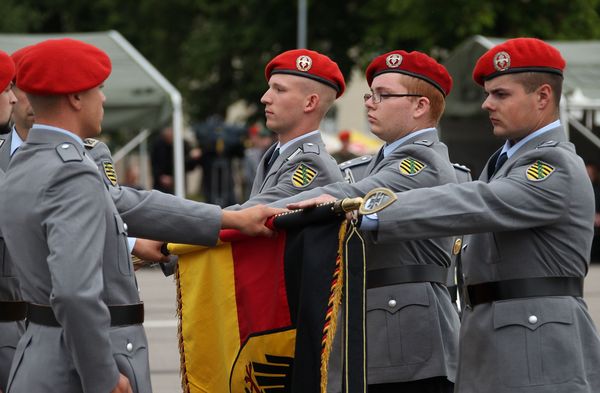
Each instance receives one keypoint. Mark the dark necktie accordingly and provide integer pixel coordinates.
(500, 161)
(272, 159)
(379, 157)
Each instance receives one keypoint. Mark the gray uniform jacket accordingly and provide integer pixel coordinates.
(9, 286)
(154, 214)
(5, 142)
(71, 244)
(415, 336)
(525, 223)
(355, 169)
(305, 164)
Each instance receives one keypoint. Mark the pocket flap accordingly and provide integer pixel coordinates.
(394, 297)
(533, 312)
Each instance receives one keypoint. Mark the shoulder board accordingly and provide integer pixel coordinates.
(2, 141)
(68, 152)
(310, 147)
(424, 142)
(547, 144)
(89, 143)
(294, 154)
(461, 167)
(355, 161)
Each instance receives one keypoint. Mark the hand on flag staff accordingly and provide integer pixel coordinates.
(374, 201)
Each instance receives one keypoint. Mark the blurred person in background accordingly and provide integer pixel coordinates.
(162, 160)
(259, 140)
(221, 144)
(344, 154)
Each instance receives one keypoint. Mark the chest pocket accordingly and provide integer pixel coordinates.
(123, 261)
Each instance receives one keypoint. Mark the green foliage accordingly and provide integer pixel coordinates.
(215, 51)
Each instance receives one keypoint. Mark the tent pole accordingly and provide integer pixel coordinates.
(178, 151)
(564, 115)
(144, 178)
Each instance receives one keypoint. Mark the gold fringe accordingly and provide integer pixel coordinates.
(182, 369)
(333, 307)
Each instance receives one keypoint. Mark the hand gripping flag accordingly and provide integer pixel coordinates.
(259, 315)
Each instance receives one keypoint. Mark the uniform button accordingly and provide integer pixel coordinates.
(364, 158)
(129, 347)
(392, 303)
(125, 227)
(64, 146)
(532, 319)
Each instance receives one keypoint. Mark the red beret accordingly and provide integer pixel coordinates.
(518, 55)
(16, 56)
(7, 70)
(415, 64)
(344, 135)
(62, 66)
(309, 64)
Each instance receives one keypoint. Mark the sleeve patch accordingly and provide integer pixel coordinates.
(411, 166)
(110, 173)
(539, 171)
(303, 175)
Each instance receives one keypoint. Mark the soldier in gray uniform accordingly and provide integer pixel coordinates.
(526, 327)
(85, 318)
(12, 323)
(303, 85)
(412, 327)
(12, 311)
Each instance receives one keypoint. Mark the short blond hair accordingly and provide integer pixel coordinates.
(437, 102)
(327, 95)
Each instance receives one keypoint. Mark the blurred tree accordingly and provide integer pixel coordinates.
(215, 51)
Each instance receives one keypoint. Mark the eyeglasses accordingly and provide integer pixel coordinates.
(377, 97)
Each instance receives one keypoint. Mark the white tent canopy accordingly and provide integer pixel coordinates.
(138, 96)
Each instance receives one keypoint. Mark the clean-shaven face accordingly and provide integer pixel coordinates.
(511, 109)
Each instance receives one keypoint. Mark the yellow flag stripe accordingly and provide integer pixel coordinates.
(212, 311)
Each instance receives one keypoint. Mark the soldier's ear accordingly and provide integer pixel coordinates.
(422, 107)
(74, 100)
(311, 102)
(544, 96)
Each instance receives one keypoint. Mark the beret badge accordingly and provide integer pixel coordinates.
(394, 60)
(303, 63)
(502, 61)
